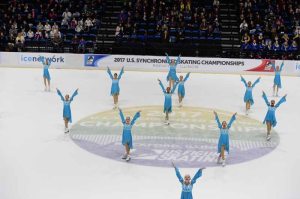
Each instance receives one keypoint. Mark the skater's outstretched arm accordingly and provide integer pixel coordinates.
(174, 87)
(283, 99)
(162, 86)
(244, 81)
(177, 61)
(273, 66)
(121, 116)
(136, 116)
(266, 99)
(197, 175)
(168, 58)
(109, 73)
(74, 94)
(177, 173)
(186, 77)
(217, 120)
(231, 121)
(256, 81)
(281, 66)
(60, 95)
(121, 73)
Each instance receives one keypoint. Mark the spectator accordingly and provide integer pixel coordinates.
(243, 27)
(73, 23)
(81, 46)
(75, 43)
(30, 34)
(40, 27)
(67, 15)
(88, 23)
(38, 35)
(47, 27)
(56, 41)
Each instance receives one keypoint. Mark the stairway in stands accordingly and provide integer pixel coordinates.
(106, 34)
(229, 19)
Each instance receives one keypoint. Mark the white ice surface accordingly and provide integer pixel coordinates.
(38, 162)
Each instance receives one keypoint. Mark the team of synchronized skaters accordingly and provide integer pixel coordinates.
(174, 82)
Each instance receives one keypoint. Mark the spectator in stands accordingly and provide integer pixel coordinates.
(67, 15)
(73, 23)
(30, 34)
(20, 42)
(55, 26)
(119, 31)
(88, 24)
(38, 35)
(81, 45)
(243, 27)
(40, 27)
(75, 43)
(56, 41)
(47, 27)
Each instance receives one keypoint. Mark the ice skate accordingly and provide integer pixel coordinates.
(219, 160)
(268, 137)
(67, 130)
(124, 156)
(223, 163)
(128, 158)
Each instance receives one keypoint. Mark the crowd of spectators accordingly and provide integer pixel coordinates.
(51, 22)
(169, 21)
(270, 28)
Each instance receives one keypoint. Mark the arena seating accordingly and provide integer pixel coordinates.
(270, 29)
(214, 28)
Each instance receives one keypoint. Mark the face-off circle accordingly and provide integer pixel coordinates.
(189, 141)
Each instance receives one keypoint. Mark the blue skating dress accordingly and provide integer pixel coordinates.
(277, 78)
(67, 108)
(168, 98)
(248, 94)
(46, 73)
(224, 134)
(115, 89)
(172, 69)
(270, 116)
(126, 136)
(186, 192)
(181, 89)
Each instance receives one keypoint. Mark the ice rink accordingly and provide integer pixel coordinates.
(37, 161)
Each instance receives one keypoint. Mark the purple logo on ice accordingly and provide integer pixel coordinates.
(190, 141)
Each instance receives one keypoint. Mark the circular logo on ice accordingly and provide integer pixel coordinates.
(190, 140)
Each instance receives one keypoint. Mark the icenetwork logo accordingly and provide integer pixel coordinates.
(32, 59)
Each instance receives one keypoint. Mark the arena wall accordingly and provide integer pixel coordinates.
(148, 63)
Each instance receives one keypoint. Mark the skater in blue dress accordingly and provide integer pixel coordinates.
(187, 183)
(172, 76)
(181, 89)
(270, 118)
(168, 100)
(115, 89)
(67, 115)
(46, 75)
(223, 144)
(248, 98)
(126, 136)
(277, 78)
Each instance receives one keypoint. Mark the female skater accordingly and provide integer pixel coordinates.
(248, 99)
(181, 89)
(46, 75)
(115, 89)
(168, 100)
(277, 78)
(67, 108)
(172, 76)
(270, 118)
(126, 137)
(187, 183)
(224, 137)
